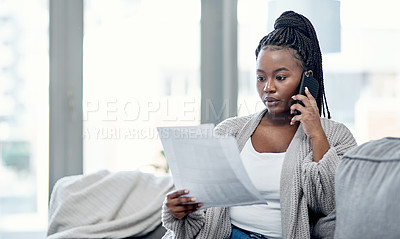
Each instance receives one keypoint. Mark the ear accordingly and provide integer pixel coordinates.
(311, 73)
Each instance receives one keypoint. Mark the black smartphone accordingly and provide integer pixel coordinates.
(312, 84)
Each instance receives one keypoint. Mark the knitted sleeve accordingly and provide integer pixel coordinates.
(318, 178)
(187, 227)
(227, 127)
(204, 224)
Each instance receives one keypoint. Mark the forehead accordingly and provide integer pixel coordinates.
(273, 57)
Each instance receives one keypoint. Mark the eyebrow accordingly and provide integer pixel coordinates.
(274, 71)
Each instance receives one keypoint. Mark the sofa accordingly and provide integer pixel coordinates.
(128, 204)
(106, 204)
(367, 188)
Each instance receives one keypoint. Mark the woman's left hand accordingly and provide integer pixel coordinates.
(309, 117)
(311, 123)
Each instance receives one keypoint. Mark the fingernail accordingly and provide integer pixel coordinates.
(307, 88)
(193, 199)
(293, 97)
(186, 191)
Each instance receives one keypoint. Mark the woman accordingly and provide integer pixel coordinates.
(290, 158)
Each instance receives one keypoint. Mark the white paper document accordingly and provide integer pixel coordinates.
(208, 166)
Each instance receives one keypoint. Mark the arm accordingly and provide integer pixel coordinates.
(311, 124)
(181, 221)
(320, 146)
(318, 178)
(328, 146)
(203, 224)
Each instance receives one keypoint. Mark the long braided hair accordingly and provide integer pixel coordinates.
(293, 30)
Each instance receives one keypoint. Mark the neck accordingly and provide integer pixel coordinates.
(278, 119)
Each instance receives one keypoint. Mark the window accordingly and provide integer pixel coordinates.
(23, 118)
(141, 70)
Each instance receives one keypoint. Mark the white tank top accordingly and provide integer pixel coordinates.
(264, 170)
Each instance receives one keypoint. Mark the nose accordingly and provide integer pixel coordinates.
(269, 86)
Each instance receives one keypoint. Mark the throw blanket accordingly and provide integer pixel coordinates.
(107, 205)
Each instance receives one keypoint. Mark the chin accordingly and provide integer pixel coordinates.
(278, 112)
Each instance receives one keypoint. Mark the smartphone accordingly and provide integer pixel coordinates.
(312, 84)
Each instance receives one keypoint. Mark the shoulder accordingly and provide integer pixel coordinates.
(331, 125)
(337, 131)
(232, 126)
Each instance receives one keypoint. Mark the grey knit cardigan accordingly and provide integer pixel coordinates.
(307, 188)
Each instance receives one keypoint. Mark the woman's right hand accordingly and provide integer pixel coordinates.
(179, 206)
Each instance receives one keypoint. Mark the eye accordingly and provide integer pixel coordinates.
(261, 78)
(280, 78)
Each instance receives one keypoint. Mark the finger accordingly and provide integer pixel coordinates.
(295, 119)
(177, 194)
(298, 107)
(308, 93)
(183, 200)
(311, 98)
(187, 208)
(302, 98)
(195, 209)
(181, 214)
(175, 202)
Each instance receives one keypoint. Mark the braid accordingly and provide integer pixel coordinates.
(293, 30)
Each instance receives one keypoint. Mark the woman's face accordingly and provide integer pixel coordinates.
(278, 76)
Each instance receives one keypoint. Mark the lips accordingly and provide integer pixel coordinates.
(270, 99)
(271, 102)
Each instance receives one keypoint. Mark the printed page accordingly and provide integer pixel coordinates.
(208, 166)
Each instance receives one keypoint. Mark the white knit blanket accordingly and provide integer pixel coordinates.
(107, 205)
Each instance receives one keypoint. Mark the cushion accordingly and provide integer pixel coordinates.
(368, 191)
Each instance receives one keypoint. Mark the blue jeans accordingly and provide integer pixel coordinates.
(238, 233)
